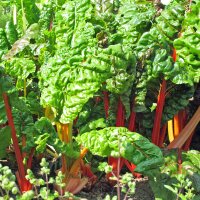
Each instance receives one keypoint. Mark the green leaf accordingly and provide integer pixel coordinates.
(19, 45)
(191, 161)
(4, 44)
(11, 32)
(3, 117)
(20, 67)
(116, 142)
(5, 139)
(41, 142)
(187, 49)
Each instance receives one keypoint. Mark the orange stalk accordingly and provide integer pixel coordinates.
(75, 169)
(83, 152)
(186, 132)
(64, 164)
(170, 130)
(176, 125)
(66, 136)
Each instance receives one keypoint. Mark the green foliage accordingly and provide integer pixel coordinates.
(5, 14)
(183, 183)
(154, 50)
(82, 62)
(11, 32)
(187, 47)
(9, 188)
(28, 13)
(20, 67)
(119, 142)
(174, 102)
(123, 47)
(5, 137)
(169, 184)
(126, 182)
(23, 42)
(4, 45)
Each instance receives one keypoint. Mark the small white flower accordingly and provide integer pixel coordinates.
(165, 2)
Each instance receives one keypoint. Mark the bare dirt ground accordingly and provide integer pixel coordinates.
(102, 188)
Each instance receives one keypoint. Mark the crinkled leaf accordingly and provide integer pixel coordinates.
(187, 48)
(23, 122)
(131, 22)
(32, 101)
(113, 141)
(20, 67)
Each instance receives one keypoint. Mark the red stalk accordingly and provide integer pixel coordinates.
(132, 167)
(114, 163)
(162, 135)
(132, 118)
(30, 159)
(24, 184)
(174, 55)
(131, 127)
(120, 114)
(158, 115)
(120, 122)
(87, 172)
(181, 118)
(14, 136)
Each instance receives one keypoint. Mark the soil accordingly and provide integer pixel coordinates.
(103, 188)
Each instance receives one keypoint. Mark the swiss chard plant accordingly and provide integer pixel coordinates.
(89, 66)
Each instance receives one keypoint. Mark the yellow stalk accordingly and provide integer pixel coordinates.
(58, 127)
(170, 130)
(186, 132)
(49, 113)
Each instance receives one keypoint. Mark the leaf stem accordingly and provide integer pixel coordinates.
(14, 137)
(158, 115)
(170, 130)
(186, 132)
(162, 135)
